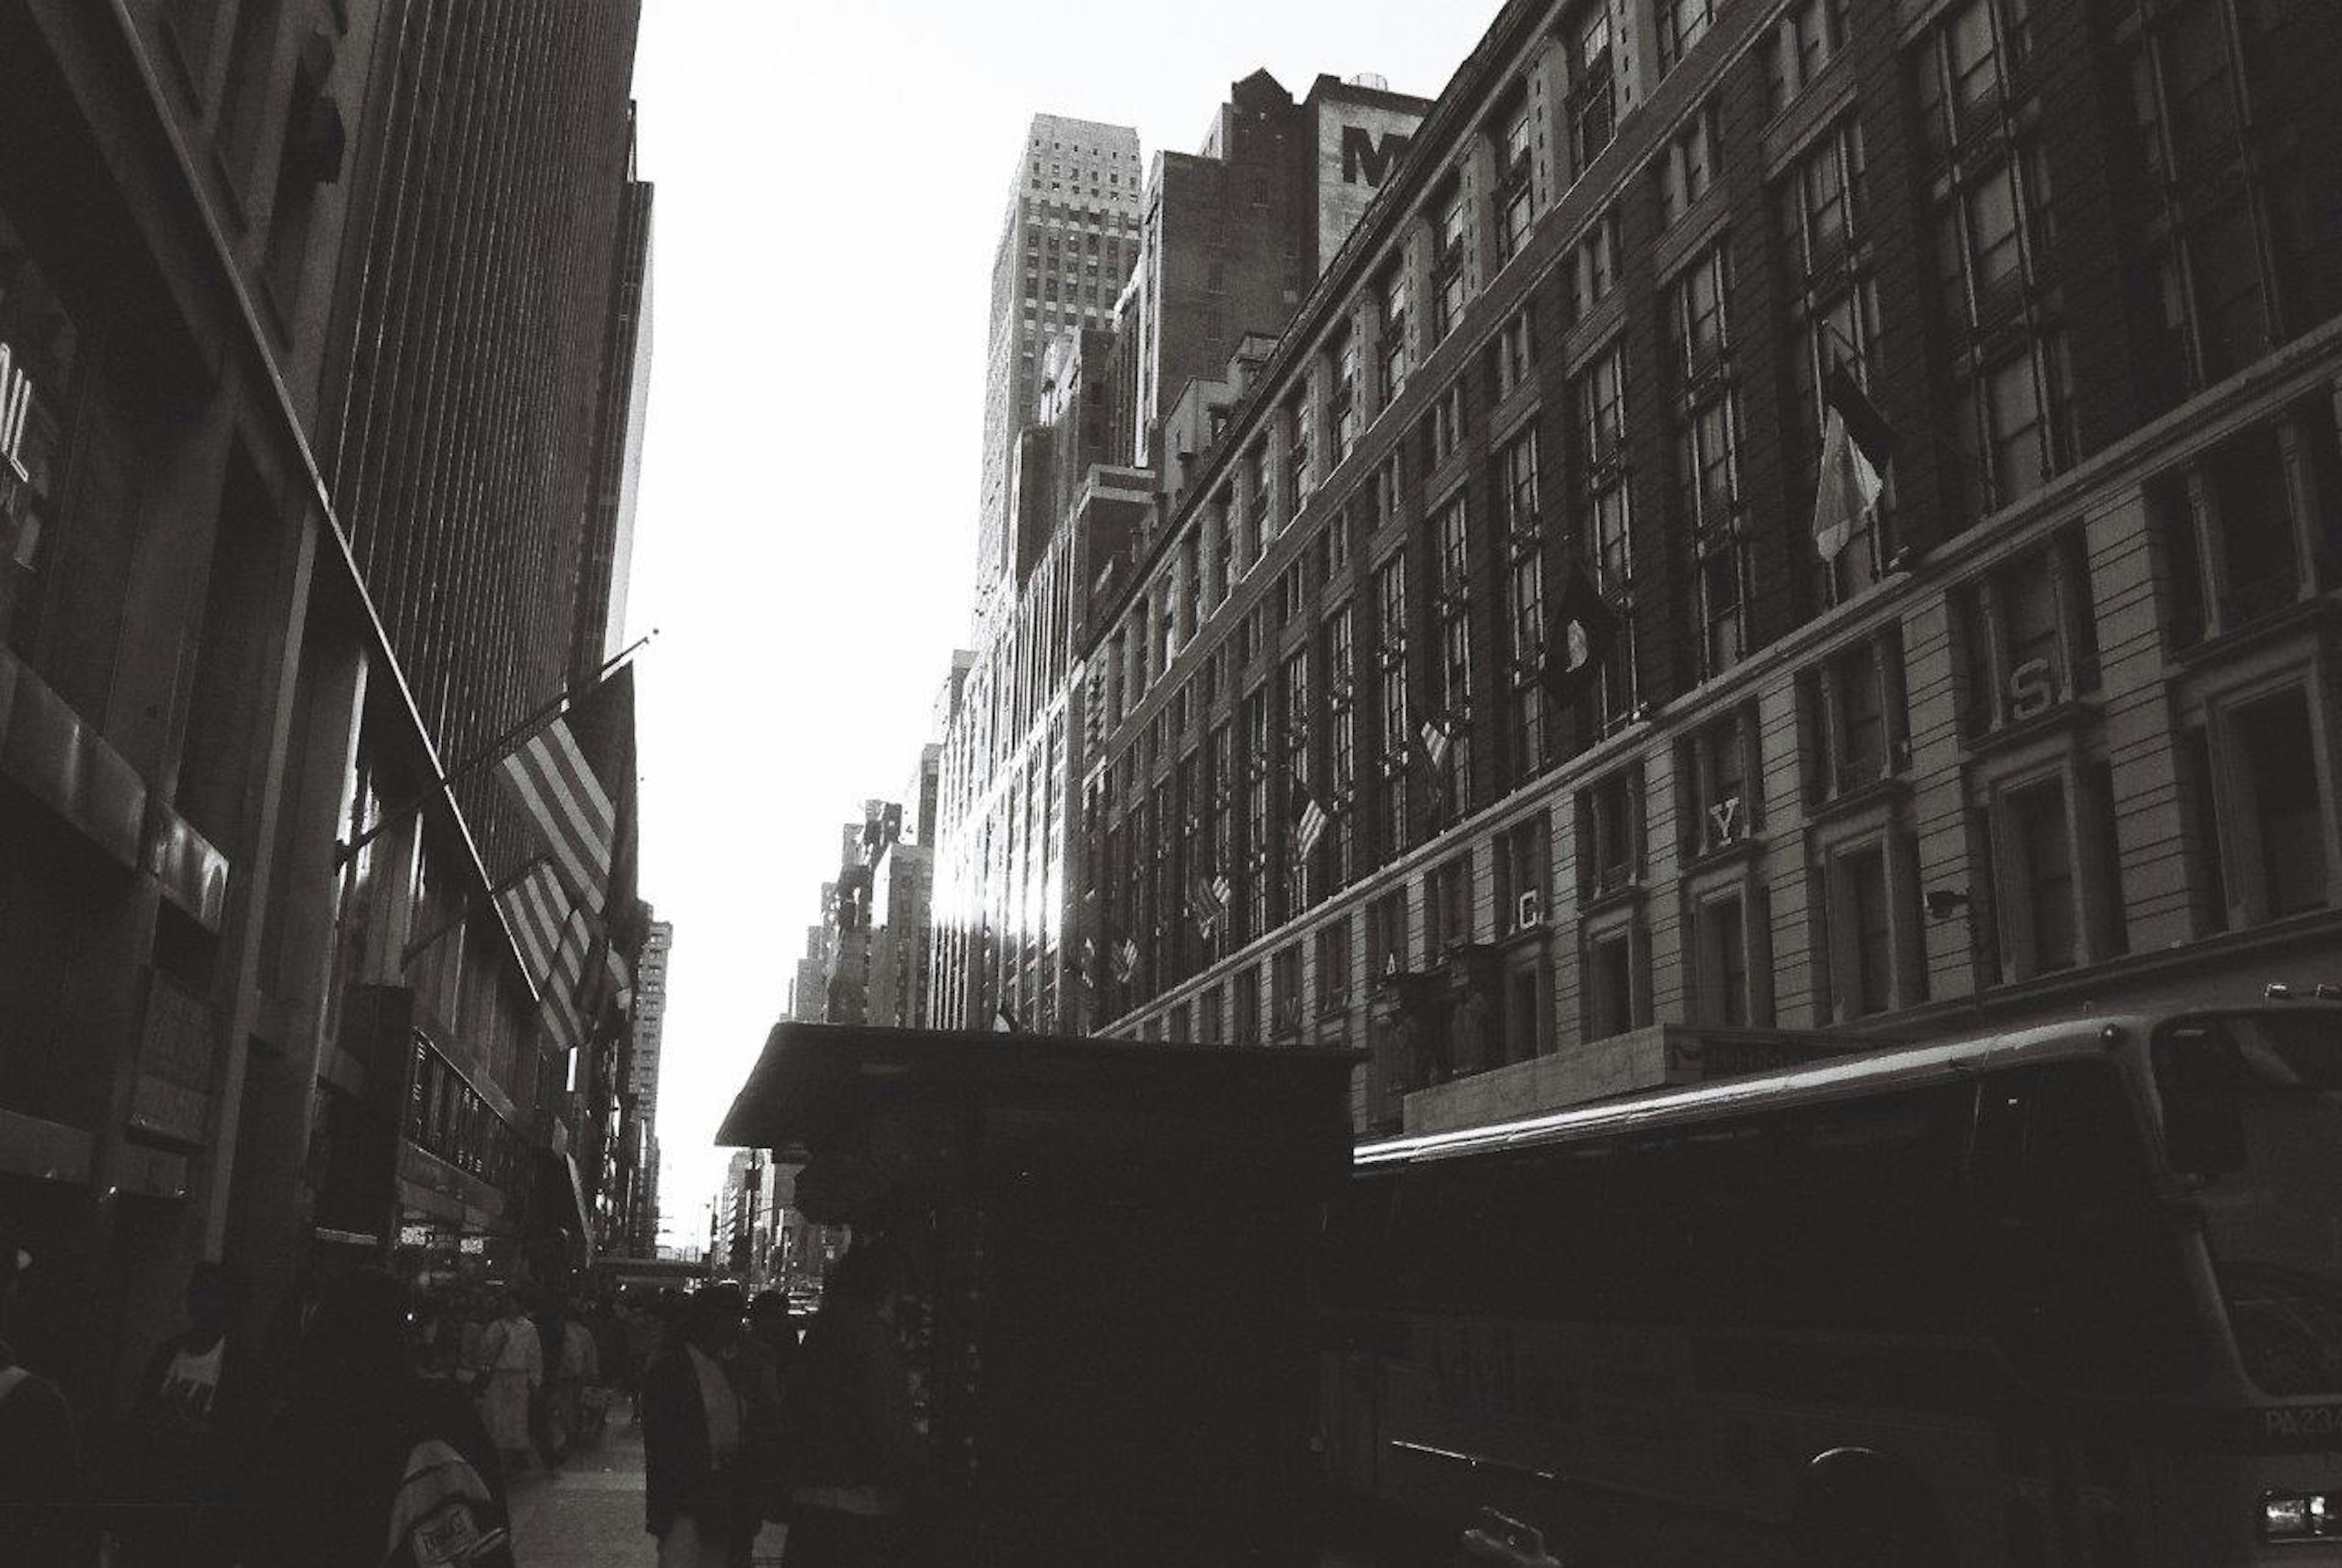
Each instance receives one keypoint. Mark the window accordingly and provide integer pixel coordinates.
(1515, 191)
(1521, 876)
(1397, 733)
(1682, 23)
(1609, 987)
(1259, 520)
(1525, 615)
(1332, 942)
(1993, 240)
(1300, 474)
(2248, 523)
(1451, 690)
(1851, 717)
(1386, 943)
(1445, 425)
(1833, 319)
(1285, 990)
(1694, 316)
(1599, 413)
(2026, 635)
(1715, 768)
(1220, 785)
(2273, 806)
(1295, 695)
(1248, 1019)
(1388, 493)
(1515, 355)
(1210, 1010)
(1594, 266)
(1719, 942)
(1869, 920)
(1448, 263)
(1804, 38)
(1610, 833)
(1343, 403)
(1447, 904)
(1689, 167)
(1253, 717)
(1396, 361)
(1593, 94)
(1341, 745)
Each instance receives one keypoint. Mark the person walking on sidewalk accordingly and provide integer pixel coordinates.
(696, 1498)
(371, 1456)
(39, 1456)
(512, 1362)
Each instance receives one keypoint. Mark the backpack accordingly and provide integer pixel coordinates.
(441, 1517)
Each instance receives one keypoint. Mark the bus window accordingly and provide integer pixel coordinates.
(2076, 1276)
(2252, 1106)
(1868, 1199)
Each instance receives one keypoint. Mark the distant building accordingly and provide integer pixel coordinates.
(1231, 240)
(1068, 240)
(642, 1072)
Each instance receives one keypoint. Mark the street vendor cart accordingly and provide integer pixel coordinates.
(1107, 1254)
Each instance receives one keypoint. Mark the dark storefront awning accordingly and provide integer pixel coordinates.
(559, 1205)
(877, 1113)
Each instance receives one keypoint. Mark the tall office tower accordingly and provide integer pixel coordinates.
(606, 560)
(1070, 240)
(650, 1019)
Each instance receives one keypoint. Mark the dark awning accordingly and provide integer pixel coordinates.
(874, 1110)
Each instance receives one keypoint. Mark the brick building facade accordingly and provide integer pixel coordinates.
(2061, 725)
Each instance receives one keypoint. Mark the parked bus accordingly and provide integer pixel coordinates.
(2066, 1296)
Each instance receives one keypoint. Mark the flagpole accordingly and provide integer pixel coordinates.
(495, 752)
(471, 908)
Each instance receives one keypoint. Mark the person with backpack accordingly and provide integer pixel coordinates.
(374, 1465)
(175, 1457)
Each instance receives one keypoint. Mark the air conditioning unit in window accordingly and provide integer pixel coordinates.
(1528, 912)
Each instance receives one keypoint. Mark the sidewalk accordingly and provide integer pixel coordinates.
(590, 1516)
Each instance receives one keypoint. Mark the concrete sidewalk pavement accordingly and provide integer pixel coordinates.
(589, 1514)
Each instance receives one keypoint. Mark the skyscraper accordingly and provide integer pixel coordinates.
(1068, 241)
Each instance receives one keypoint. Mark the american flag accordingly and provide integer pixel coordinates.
(1311, 827)
(1126, 959)
(576, 819)
(1437, 737)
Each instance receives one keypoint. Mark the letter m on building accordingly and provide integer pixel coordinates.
(1362, 153)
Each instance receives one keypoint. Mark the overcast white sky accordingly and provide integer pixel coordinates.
(831, 181)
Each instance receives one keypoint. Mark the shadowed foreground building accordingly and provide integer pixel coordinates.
(2060, 722)
(294, 511)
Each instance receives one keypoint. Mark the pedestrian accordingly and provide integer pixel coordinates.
(695, 1492)
(39, 1446)
(193, 1414)
(282, 1348)
(512, 1369)
(761, 1366)
(642, 1337)
(570, 1364)
(854, 1445)
(609, 1359)
(371, 1457)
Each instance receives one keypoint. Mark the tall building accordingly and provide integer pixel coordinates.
(646, 1048)
(1231, 239)
(289, 526)
(1234, 233)
(2056, 722)
(622, 399)
(1066, 243)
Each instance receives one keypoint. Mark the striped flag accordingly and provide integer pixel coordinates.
(558, 791)
(1437, 738)
(1310, 827)
(1126, 959)
(1205, 904)
(536, 907)
(1222, 890)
